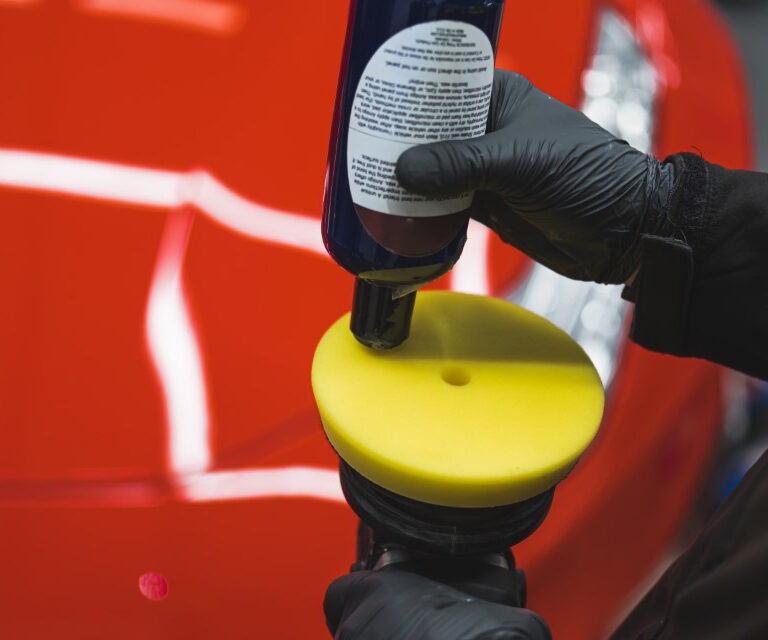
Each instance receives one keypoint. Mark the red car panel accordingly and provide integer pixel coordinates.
(161, 173)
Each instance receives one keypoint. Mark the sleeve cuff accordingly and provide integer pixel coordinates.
(661, 293)
(662, 289)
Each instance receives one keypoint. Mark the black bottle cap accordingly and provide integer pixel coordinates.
(379, 319)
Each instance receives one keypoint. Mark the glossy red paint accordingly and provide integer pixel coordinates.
(90, 493)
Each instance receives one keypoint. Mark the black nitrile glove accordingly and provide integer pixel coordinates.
(397, 605)
(552, 183)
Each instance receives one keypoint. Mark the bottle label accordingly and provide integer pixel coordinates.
(427, 83)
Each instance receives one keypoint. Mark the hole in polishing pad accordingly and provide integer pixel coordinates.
(455, 376)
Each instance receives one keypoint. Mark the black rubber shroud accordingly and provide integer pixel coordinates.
(433, 528)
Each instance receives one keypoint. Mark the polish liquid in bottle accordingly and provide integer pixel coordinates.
(413, 72)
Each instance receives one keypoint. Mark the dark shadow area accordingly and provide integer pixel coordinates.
(456, 330)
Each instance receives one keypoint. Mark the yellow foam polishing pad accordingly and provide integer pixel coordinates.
(485, 404)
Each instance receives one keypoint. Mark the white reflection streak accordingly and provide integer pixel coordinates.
(89, 178)
(470, 275)
(212, 16)
(255, 221)
(175, 352)
(285, 482)
(159, 188)
(169, 189)
(171, 337)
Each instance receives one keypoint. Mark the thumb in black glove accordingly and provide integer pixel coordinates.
(552, 183)
(397, 605)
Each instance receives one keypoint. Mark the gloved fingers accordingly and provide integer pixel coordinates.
(336, 597)
(447, 169)
(529, 626)
(452, 167)
(509, 90)
(537, 628)
(383, 605)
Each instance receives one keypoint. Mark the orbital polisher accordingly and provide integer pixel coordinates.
(451, 445)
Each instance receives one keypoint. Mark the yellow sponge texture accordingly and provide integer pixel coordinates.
(485, 404)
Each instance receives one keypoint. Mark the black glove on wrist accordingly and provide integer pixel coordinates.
(397, 605)
(552, 183)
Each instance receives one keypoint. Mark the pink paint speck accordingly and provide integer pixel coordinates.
(153, 586)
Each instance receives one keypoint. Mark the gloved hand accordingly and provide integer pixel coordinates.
(397, 605)
(552, 183)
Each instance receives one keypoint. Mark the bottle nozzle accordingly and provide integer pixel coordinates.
(381, 319)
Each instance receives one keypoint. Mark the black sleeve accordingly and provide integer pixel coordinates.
(718, 589)
(705, 293)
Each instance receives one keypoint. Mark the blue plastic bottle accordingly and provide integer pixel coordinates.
(413, 72)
